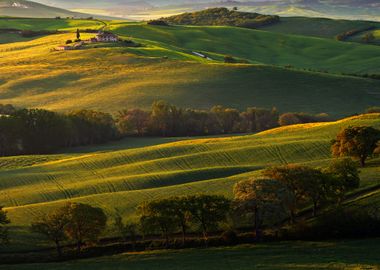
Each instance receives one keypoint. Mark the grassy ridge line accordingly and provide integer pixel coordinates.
(318, 27)
(112, 79)
(173, 165)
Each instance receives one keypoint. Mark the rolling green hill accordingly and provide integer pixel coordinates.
(124, 175)
(290, 65)
(261, 47)
(115, 77)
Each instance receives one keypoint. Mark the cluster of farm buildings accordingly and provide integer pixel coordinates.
(100, 37)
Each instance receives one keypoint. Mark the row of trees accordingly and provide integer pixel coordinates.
(346, 35)
(36, 131)
(165, 119)
(273, 199)
(168, 215)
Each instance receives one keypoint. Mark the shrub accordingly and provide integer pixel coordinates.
(287, 119)
(158, 22)
(368, 38)
(69, 41)
(230, 237)
(374, 109)
(339, 223)
(301, 118)
(157, 244)
(229, 59)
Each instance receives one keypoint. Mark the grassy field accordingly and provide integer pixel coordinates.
(116, 77)
(283, 61)
(362, 254)
(125, 174)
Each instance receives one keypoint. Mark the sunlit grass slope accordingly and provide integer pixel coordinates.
(113, 78)
(262, 46)
(122, 178)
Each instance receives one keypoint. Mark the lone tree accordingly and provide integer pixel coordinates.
(357, 142)
(157, 215)
(131, 122)
(128, 230)
(317, 187)
(266, 199)
(306, 184)
(345, 171)
(85, 223)
(369, 38)
(3, 230)
(78, 34)
(344, 175)
(292, 176)
(182, 215)
(53, 227)
(208, 211)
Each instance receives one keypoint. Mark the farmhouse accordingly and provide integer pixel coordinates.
(106, 37)
(63, 48)
(76, 46)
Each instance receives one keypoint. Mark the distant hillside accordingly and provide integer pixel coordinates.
(223, 16)
(166, 68)
(149, 9)
(342, 9)
(23, 8)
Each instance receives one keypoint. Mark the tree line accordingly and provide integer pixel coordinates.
(266, 202)
(38, 131)
(165, 119)
(346, 35)
(272, 199)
